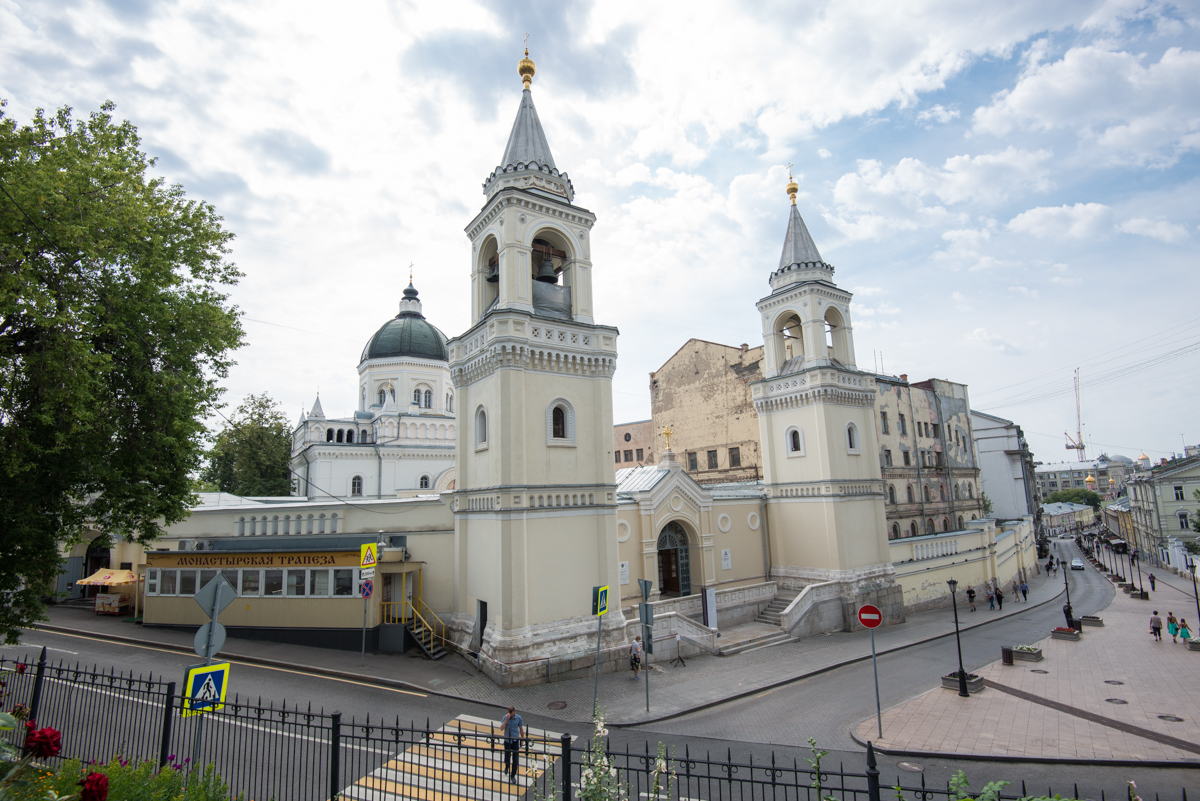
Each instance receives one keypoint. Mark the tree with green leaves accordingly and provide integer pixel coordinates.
(1080, 496)
(251, 453)
(115, 328)
(986, 503)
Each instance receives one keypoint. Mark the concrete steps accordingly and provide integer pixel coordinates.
(771, 616)
(765, 641)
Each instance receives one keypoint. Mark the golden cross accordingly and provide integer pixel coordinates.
(789, 170)
(410, 266)
(526, 41)
(667, 432)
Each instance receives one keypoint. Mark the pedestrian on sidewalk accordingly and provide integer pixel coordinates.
(1184, 632)
(1152, 579)
(971, 597)
(635, 656)
(1025, 592)
(991, 598)
(1156, 626)
(514, 731)
(1016, 591)
(1000, 598)
(1172, 626)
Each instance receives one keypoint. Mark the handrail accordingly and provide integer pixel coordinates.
(437, 632)
(802, 603)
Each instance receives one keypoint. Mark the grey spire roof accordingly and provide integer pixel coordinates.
(798, 245)
(527, 141)
(317, 411)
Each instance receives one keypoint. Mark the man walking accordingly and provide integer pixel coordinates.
(1156, 626)
(1152, 579)
(514, 731)
(971, 597)
(991, 597)
(1000, 598)
(1025, 592)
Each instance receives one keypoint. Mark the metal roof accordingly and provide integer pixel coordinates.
(798, 245)
(639, 479)
(527, 141)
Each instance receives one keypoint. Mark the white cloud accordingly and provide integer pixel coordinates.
(994, 341)
(823, 153)
(1171, 233)
(1064, 222)
(1032, 294)
(938, 113)
(1131, 111)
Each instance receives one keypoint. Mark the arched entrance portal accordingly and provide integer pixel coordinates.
(96, 558)
(674, 562)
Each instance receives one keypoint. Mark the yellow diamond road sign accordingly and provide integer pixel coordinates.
(369, 555)
(204, 688)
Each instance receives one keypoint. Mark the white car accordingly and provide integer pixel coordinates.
(1077, 564)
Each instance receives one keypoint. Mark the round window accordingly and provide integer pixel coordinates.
(628, 437)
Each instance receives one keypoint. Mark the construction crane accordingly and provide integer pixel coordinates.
(1076, 444)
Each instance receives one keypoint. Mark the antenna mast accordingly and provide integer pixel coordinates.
(1077, 443)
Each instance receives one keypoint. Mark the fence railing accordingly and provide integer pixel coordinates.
(294, 753)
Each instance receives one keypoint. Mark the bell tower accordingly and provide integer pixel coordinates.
(534, 505)
(816, 411)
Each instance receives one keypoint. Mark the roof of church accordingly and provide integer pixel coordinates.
(527, 142)
(798, 245)
(407, 334)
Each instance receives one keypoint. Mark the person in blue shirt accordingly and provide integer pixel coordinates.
(514, 731)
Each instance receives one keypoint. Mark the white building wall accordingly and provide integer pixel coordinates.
(1000, 469)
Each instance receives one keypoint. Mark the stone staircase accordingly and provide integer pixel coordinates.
(429, 643)
(764, 632)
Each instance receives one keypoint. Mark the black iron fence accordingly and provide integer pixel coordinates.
(290, 753)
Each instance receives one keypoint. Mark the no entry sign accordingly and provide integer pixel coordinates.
(870, 616)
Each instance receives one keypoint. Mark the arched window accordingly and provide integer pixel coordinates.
(382, 396)
(362, 435)
(449, 402)
(910, 495)
(333, 518)
(350, 436)
(929, 529)
(416, 397)
(912, 529)
(960, 521)
(891, 494)
(925, 489)
(424, 482)
(356, 485)
(852, 438)
(942, 491)
(241, 526)
(895, 531)
(428, 399)
(341, 435)
(329, 435)
(794, 439)
(560, 423)
(945, 524)
(956, 492)
(480, 428)
(971, 491)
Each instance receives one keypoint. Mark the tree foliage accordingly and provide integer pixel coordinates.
(114, 330)
(251, 454)
(1081, 496)
(986, 503)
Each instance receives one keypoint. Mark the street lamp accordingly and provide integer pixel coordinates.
(1191, 565)
(962, 674)
(1137, 560)
(1067, 610)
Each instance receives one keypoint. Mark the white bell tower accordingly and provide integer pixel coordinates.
(816, 414)
(534, 505)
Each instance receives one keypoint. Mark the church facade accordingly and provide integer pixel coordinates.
(484, 465)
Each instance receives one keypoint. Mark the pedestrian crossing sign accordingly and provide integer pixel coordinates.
(599, 600)
(369, 555)
(204, 688)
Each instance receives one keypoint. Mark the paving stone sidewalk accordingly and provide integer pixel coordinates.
(708, 680)
(1117, 694)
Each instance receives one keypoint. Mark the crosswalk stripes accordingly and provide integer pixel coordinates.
(461, 761)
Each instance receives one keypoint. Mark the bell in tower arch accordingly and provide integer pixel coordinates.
(494, 269)
(546, 272)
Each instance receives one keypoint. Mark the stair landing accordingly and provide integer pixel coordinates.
(736, 639)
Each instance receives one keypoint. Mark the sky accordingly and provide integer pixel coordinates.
(1010, 190)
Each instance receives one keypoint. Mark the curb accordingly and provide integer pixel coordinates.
(395, 684)
(819, 671)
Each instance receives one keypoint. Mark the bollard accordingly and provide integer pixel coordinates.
(566, 767)
(873, 774)
(335, 754)
(168, 716)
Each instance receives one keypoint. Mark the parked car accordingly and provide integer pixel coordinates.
(1077, 564)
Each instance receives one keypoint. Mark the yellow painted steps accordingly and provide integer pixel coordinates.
(461, 761)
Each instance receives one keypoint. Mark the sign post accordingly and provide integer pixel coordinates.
(872, 618)
(599, 607)
(212, 598)
(647, 616)
(367, 559)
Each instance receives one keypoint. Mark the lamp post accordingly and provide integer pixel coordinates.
(1137, 560)
(1191, 564)
(1067, 610)
(962, 674)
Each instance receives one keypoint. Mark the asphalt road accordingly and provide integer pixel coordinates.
(778, 722)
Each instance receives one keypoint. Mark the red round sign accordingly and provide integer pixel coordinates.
(870, 616)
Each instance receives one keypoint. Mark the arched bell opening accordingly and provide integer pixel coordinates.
(489, 264)
(551, 258)
(837, 336)
(674, 561)
(789, 343)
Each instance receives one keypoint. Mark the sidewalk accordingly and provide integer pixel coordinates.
(705, 681)
(1115, 695)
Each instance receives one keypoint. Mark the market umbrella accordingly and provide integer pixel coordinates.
(108, 578)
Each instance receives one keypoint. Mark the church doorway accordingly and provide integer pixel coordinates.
(94, 560)
(674, 562)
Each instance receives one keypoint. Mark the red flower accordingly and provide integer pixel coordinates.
(95, 787)
(42, 743)
(21, 667)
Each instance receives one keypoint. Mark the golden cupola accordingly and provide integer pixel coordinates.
(526, 69)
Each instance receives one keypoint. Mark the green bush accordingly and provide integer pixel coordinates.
(131, 781)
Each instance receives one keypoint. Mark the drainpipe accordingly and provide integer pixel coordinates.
(942, 424)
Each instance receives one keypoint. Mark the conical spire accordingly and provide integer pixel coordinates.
(798, 245)
(527, 141)
(317, 411)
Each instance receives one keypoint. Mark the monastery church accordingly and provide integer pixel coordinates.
(483, 464)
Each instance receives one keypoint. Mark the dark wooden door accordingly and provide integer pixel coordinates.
(668, 571)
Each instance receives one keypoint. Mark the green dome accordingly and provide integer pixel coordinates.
(407, 334)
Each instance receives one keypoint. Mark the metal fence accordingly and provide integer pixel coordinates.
(292, 753)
